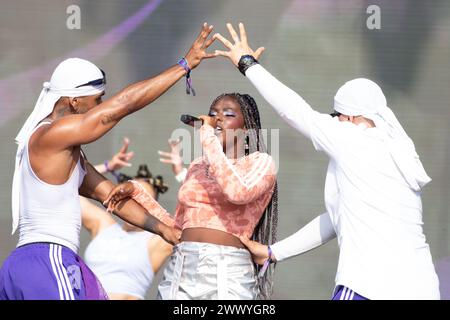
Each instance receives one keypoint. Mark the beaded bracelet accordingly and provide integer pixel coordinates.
(108, 169)
(183, 62)
(266, 263)
(106, 166)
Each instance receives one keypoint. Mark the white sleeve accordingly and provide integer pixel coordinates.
(316, 233)
(286, 102)
(324, 131)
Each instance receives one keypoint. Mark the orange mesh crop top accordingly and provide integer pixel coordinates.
(229, 195)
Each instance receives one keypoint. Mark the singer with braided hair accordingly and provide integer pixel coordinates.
(229, 192)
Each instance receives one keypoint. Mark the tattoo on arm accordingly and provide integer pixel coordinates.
(123, 98)
(109, 118)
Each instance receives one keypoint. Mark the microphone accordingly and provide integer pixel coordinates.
(190, 120)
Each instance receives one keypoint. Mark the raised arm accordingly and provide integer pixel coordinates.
(238, 187)
(287, 103)
(84, 128)
(97, 187)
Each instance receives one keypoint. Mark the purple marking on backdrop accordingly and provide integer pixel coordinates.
(13, 104)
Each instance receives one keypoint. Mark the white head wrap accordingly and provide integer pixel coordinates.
(68, 80)
(363, 97)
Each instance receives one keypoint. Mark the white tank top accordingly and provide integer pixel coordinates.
(48, 212)
(120, 260)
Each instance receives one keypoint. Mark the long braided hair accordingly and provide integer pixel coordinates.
(266, 230)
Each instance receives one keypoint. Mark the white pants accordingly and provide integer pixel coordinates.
(208, 271)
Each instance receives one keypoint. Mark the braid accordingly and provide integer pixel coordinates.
(266, 230)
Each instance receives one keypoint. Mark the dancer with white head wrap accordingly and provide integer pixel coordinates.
(372, 189)
(51, 172)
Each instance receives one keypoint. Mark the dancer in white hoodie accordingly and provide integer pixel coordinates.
(372, 189)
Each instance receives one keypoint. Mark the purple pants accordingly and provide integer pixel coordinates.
(344, 293)
(47, 271)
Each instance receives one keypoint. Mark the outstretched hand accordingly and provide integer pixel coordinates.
(240, 46)
(121, 158)
(197, 52)
(173, 157)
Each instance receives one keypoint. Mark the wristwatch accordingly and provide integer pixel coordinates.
(246, 62)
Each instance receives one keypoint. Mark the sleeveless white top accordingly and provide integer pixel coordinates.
(120, 260)
(48, 212)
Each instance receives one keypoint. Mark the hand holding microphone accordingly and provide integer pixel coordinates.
(190, 120)
(193, 121)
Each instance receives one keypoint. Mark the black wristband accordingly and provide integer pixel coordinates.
(245, 62)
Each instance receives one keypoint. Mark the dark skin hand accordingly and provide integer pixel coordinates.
(117, 194)
(54, 148)
(97, 187)
(120, 196)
